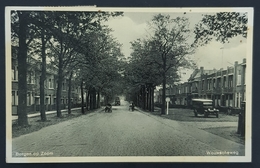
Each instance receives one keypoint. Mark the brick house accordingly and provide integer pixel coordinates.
(226, 87)
(33, 87)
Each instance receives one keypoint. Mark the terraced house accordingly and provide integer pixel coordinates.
(33, 87)
(226, 87)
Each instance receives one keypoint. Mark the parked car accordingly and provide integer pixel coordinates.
(205, 107)
(117, 101)
(229, 110)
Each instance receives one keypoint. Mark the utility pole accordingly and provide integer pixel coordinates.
(222, 57)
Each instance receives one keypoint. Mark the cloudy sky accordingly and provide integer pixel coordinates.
(133, 25)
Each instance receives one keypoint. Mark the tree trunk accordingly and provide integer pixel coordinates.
(43, 78)
(94, 95)
(146, 97)
(152, 99)
(143, 97)
(69, 94)
(164, 87)
(82, 98)
(58, 97)
(91, 100)
(98, 100)
(22, 69)
(87, 101)
(60, 79)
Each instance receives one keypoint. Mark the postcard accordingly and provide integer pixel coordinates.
(91, 84)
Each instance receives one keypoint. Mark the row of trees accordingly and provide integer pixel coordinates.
(156, 59)
(82, 48)
(77, 44)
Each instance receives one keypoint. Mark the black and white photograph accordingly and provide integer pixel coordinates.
(92, 84)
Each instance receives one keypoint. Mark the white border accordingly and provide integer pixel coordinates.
(248, 144)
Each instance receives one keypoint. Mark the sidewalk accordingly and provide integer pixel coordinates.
(47, 112)
(219, 143)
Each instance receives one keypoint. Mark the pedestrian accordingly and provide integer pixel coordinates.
(133, 106)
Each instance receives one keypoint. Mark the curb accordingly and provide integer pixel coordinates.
(47, 112)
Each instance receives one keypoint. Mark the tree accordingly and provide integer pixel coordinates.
(40, 22)
(22, 69)
(68, 29)
(22, 33)
(99, 64)
(167, 47)
(222, 26)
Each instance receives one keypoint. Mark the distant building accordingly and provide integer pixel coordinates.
(226, 87)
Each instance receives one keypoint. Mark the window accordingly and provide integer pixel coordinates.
(51, 83)
(13, 97)
(218, 82)
(239, 77)
(209, 84)
(230, 81)
(28, 99)
(224, 82)
(13, 73)
(31, 77)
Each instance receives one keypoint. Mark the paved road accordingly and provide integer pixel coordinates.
(122, 133)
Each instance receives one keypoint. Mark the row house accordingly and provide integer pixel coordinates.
(33, 87)
(226, 87)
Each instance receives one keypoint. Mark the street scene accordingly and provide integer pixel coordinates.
(129, 83)
(124, 132)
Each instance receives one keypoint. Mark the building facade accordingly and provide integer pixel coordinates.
(33, 88)
(226, 87)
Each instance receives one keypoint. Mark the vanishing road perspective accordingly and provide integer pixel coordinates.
(123, 133)
(128, 82)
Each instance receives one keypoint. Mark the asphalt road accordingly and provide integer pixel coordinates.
(122, 133)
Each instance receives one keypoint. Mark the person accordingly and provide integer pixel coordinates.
(133, 106)
(108, 108)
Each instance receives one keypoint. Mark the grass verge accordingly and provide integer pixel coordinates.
(36, 124)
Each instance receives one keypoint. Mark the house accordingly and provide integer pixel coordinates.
(33, 86)
(226, 87)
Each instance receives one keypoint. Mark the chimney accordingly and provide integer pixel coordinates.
(244, 60)
(236, 63)
(201, 70)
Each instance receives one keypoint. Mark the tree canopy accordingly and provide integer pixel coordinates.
(157, 58)
(221, 26)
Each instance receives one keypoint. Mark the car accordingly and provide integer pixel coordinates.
(117, 101)
(205, 107)
(229, 110)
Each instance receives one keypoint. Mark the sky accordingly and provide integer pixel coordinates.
(216, 55)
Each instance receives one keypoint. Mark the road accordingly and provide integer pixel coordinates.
(122, 133)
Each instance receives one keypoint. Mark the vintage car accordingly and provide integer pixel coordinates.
(205, 107)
